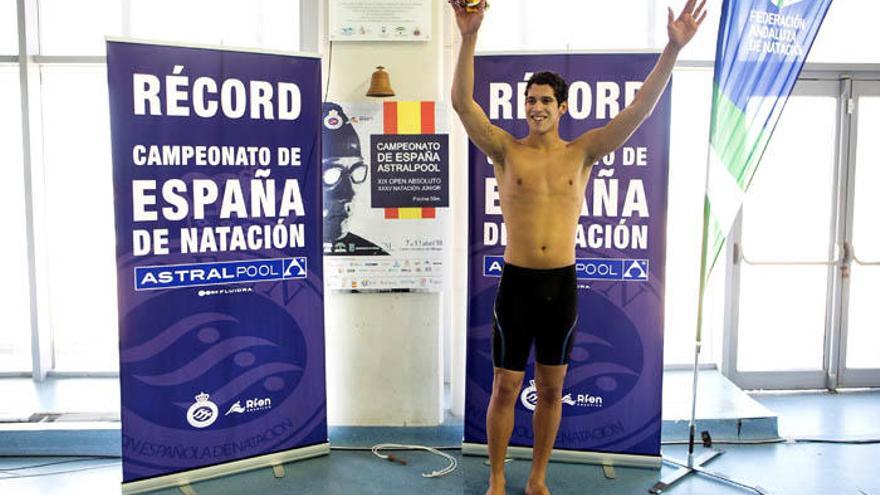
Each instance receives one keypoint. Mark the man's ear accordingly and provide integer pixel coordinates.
(563, 109)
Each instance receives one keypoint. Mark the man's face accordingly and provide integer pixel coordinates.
(339, 177)
(542, 110)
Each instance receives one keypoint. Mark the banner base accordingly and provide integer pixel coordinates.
(226, 469)
(574, 456)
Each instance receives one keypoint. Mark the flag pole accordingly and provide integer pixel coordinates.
(704, 254)
(692, 426)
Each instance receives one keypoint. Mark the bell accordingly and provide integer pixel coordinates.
(380, 84)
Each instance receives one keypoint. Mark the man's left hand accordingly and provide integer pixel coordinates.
(682, 29)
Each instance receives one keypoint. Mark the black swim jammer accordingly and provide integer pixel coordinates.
(534, 304)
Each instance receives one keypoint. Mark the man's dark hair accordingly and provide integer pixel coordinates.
(555, 81)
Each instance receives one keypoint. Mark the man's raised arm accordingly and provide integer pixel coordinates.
(490, 139)
(599, 142)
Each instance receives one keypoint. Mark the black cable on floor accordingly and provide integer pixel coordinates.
(868, 441)
(14, 476)
(729, 442)
(64, 456)
(45, 464)
(370, 449)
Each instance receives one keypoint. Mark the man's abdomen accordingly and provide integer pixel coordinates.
(540, 241)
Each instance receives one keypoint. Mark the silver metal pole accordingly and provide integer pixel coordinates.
(692, 426)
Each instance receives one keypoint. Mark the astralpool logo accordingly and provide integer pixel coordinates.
(228, 272)
(628, 270)
(781, 4)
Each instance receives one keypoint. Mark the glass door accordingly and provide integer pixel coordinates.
(781, 280)
(859, 356)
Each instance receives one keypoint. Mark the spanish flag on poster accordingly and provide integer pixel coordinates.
(409, 117)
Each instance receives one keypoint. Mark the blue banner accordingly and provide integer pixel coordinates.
(612, 393)
(218, 234)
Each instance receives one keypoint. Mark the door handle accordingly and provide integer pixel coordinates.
(852, 251)
(740, 252)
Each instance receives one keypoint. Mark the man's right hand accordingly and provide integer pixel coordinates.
(468, 22)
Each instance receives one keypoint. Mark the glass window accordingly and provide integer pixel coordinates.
(781, 318)
(866, 237)
(702, 46)
(264, 24)
(280, 24)
(848, 34)
(15, 331)
(787, 217)
(8, 27)
(689, 140)
(787, 213)
(78, 28)
(79, 211)
(560, 25)
(863, 337)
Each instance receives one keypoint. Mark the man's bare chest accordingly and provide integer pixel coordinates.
(553, 175)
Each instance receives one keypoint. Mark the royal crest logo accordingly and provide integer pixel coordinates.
(529, 396)
(203, 412)
(333, 121)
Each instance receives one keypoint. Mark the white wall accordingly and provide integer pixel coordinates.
(459, 175)
(383, 359)
(415, 67)
(418, 71)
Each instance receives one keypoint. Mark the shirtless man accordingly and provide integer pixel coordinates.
(541, 182)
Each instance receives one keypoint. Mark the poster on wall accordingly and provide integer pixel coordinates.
(612, 393)
(385, 180)
(380, 20)
(218, 236)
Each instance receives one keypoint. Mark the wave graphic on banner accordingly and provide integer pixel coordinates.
(170, 335)
(213, 356)
(265, 374)
(265, 368)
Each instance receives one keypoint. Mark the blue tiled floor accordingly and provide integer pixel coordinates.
(781, 468)
(802, 469)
